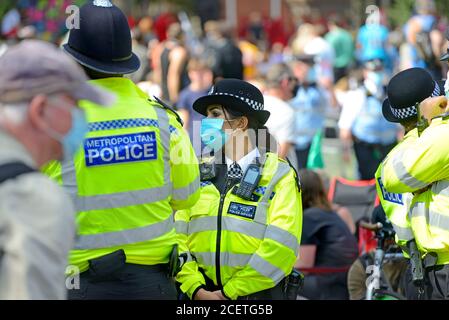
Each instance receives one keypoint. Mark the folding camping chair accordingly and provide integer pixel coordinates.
(360, 197)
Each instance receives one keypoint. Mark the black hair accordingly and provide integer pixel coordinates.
(409, 124)
(256, 127)
(93, 74)
(313, 191)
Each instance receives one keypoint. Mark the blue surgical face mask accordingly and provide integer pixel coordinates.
(212, 133)
(73, 139)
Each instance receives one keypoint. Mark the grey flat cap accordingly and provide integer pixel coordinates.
(36, 67)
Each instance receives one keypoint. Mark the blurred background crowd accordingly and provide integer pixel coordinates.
(323, 67)
(323, 59)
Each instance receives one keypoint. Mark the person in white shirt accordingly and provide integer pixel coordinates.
(279, 87)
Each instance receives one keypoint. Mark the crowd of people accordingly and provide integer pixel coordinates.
(210, 151)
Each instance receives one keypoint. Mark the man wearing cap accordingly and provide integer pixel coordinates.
(39, 121)
(279, 89)
(419, 165)
(136, 166)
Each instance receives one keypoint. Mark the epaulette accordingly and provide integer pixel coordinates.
(169, 108)
(297, 178)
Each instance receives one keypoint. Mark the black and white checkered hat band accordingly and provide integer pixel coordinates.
(253, 104)
(405, 113)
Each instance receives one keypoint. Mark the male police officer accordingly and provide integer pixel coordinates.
(127, 179)
(408, 87)
(419, 165)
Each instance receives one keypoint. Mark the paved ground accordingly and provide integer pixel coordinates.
(332, 154)
(333, 160)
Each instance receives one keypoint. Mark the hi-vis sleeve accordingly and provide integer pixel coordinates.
(277, 253)
(190, 277)
(184, 169)
(418, 161)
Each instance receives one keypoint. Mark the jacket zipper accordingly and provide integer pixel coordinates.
(218, 247)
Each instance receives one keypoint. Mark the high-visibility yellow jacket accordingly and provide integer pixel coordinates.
(136, 166)
(242, 246)
(421, 165)
(396, 207)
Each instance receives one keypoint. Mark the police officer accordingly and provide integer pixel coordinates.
(419, 165)
(135, 167)
(241, 238)
(404, 89)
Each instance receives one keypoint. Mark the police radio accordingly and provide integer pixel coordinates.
(249, 182)
(422, 123)
(207, 170)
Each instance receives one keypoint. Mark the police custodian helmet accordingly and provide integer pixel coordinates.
(103, 40)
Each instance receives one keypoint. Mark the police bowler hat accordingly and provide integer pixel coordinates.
(405, 90)
(103, 40)
(237, 95)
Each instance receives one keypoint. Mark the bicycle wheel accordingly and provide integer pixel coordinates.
(387, 295)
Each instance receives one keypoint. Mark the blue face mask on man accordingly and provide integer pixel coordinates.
(73, 139)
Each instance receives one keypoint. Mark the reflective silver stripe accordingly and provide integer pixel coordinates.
(164, 131)
(202, 224)
(68, 175)
(439, 220)
(266, 269)
(122, 199)
(433, 218)
(261, 211)
(441, 188)
(403, 175)
(418, 210)
(226, 259)
(403, 233)
(234, 259)
(282, 236)
(248, 228)
(119, 238)
(181, 227)
(185, 192)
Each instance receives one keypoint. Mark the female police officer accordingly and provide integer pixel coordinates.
(241, 238)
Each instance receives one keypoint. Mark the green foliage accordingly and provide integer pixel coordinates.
(5, 6)
(443, 8)
(401, 11)
(187, 5)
